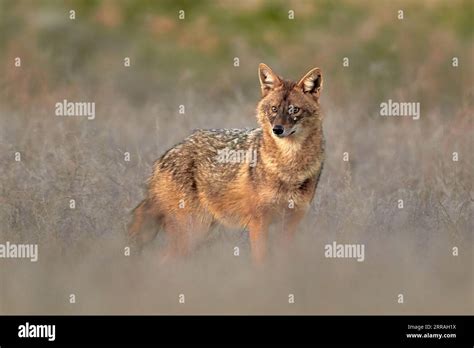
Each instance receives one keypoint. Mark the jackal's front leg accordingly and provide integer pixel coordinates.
(291, 221)
(258, 229)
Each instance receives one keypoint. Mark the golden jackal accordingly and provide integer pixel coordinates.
(240, 177)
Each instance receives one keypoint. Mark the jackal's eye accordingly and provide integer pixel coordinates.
(293, 110)
(274, 109)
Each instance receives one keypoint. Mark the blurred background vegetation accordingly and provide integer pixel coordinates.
(388, 58)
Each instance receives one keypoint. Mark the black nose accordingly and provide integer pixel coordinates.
(278, 130)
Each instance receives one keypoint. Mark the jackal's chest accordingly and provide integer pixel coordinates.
(282, 195)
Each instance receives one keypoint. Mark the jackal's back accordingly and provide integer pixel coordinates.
(210, 157)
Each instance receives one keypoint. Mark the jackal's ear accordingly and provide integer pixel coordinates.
(268, 79)
(312, 82)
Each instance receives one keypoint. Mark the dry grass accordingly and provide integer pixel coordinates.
(81, 251)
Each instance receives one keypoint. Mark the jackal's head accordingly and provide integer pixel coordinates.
(288, 109)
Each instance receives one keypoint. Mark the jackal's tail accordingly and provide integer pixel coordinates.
(145, 225)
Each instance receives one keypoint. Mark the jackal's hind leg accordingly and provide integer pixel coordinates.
(145, 225)
(183, 234)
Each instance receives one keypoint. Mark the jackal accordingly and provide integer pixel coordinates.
(193, 186)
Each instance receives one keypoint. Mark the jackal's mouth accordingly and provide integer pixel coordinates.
(283, 135)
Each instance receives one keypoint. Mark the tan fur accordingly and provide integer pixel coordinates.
(190, 189)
